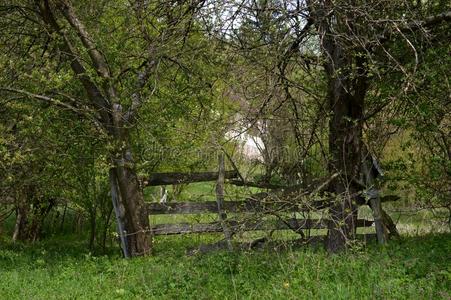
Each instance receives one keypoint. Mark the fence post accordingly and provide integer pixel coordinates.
(119, 218)
(372, 196)
(220, 201)
(375, 204)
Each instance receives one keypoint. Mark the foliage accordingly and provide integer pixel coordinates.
(415, 267)
(173, 77)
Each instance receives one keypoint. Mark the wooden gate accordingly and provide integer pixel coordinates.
(254, 214)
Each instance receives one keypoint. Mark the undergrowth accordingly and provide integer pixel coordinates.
(411, 268)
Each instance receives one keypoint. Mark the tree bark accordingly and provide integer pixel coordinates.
(347, 86)
(93, 227)
(345, 140)
(130, 194)
(136, 219)
(20, 226)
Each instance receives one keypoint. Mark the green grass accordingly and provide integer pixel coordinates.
(415, 267)
(412, 268)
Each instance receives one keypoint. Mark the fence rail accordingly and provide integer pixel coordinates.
(244, 206)
(247, 225)
(270, 211)
(157, 179)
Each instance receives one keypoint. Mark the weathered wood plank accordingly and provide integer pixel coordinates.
(244, 206)
(317, 184)
(156, 179)
(235, 226)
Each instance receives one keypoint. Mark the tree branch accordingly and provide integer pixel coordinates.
(84, 111)
(97, 58)
(43, 98)
(94, 93)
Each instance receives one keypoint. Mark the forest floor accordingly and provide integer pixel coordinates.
(414, 267)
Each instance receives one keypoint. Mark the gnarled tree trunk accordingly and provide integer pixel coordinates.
(347, 85)
(135, 214)
(345, 140)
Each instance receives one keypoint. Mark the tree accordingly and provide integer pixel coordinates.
(33, 162)
(354, 41)
(113, 73)
(349, 48)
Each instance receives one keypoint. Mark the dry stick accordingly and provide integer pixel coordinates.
(296, 230)
(261, 185)
(220, 201)
(325, 184)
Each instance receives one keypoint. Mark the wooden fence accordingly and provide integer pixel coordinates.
(252, 213)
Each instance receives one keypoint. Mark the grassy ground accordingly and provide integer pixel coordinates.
(416, 267)
(412, 268)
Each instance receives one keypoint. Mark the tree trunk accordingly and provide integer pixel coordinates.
(347, 85)
(20, 226)
(104, 99)
(105, 230)
(93, 227)
(136, 219)
(345, 144)
(31, 212)
(63, 218)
